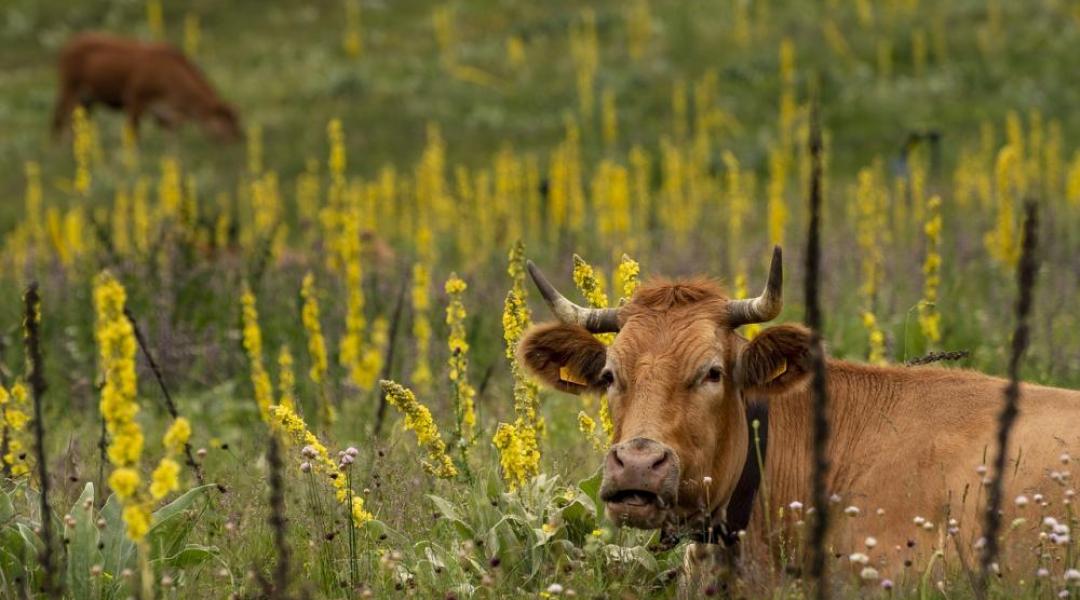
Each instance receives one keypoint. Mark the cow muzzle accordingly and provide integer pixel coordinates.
(641, 481)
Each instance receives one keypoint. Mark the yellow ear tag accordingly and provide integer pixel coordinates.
(568, 377)
(778, 372)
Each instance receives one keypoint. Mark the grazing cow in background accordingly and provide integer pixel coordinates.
(139, 77)
(684, 388)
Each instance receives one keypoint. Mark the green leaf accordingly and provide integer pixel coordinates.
(172, 524)
(632, 554)
(591, 487)
(82, 547)
(192, 555)
(7, 507)
(118, 551)
(450, 513)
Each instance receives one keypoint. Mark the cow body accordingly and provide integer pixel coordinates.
(139, 78)
(907, 447)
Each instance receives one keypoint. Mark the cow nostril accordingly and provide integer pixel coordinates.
(661, 460)
(615, 457)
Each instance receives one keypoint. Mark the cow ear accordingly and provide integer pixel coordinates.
(565, 357)
(774, 361)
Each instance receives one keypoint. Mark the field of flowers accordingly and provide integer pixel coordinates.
(284, 368)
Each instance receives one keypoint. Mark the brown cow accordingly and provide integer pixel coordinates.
(906, 446)
(137, 77)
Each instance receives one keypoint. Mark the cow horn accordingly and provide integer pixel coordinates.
(766, 306)
(596, 320)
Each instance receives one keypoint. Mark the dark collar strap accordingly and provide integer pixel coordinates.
(741, 504)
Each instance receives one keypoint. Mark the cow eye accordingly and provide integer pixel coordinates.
(714, 375)
(607, 377)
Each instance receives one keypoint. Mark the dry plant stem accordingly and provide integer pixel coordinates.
(277, 520)
(1026, 282)
(934, 357)
(820, 466)
(388, 363)
(32, 302)
(169, 404)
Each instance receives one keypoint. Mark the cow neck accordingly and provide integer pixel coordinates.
(728, 521)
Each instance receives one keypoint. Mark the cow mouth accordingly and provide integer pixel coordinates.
(641, 509)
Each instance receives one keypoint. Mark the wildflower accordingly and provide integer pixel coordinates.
(15, 407)
(177, 436)
(706, 480)
(869, 574)
(1064, 458)
(919, 521)
(319, 461)
(1072, 575)
(852, 511)
(418, 419)
(587, 426)
(252, 335)
(305, 467)
(82, 146)
(518, 455)
(316, 344)
(137, 519)
(555, 589)
(859, 558)
(929, 318)
(165, 478)
(627, 277)
(870, 542)
(124, 482)
(463, 391)
(1043, 572)
(886, 584)
(795, 505)
(286, 377)
(1002, 242)
(421, 304)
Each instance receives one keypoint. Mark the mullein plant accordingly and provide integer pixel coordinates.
(262, 387)
(462, 391)
(316, 459)
(418, 420)
(1002, 242)
(119, 408)
(15, 412)
(929, 317)
(518, 443)
(591, 286)
(316, 344)
(870, 227)
(82, 144)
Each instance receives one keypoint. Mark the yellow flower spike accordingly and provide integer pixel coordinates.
(252, 337)
(590, 284)
(137, 518)
(165, 478)
(82, 147)
(463, 391)
(124, 482)
(286, 420)
(418, 419)
(421, 303)
(876, 339)
(286, 377)
(518, 454)
(627, 277)
(177, 436)
(929, 317)
(15, 407)
(316, 342)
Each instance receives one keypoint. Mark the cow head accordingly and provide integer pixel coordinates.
(222, 122)
(676, 378)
